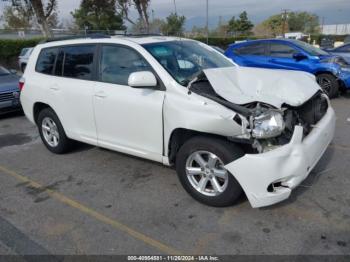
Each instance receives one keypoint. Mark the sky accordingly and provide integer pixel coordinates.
(332, 11)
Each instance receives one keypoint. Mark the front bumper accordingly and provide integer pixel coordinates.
(289, 164)
(10, 105)
(344, 76)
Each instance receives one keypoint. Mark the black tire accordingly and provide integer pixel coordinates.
(329, 84)
(64, 143)
(226, 152)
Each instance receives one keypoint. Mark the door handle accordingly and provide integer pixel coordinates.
(54, 88)
(100, 94)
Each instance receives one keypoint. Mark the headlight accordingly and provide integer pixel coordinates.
(268, 124)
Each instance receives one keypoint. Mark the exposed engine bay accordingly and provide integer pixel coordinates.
(264, 126)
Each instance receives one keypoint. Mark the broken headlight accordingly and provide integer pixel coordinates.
(268, 124)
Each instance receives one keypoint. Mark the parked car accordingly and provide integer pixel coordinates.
(326, 43)
(343, 51)
(9, 90)
(332, 72)
(225, 128)
(23, 58)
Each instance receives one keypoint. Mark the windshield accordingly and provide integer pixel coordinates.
(311, 50)
(184, 60)
(4, 71)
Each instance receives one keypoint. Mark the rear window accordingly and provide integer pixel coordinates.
(251, 49)
(46, 61)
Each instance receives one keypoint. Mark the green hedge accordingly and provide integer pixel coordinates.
(10, 48)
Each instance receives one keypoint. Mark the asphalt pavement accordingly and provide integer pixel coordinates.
(95, 201)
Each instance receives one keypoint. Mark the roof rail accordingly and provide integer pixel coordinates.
(91, 36)
(142, 34)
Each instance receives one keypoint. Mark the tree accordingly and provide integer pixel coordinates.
(274, 25)
(296, 22)
(43, 12)
(241, 26)
(17, 17)
(232, 25)
(174, 24)
(98, 15)
(141, 6)
(303, 22)
(198, 31)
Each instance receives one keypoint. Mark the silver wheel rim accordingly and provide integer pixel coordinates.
(325, 83)
(50, 132)
(206, 173)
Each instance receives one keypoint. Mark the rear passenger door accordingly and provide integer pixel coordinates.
(128, 119)
(252, 55)
(72, 91)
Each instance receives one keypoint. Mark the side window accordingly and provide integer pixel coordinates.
(252, 49)
(78, 61)
(46, 61)
(281, 50)
(118, 62)
(59, 63)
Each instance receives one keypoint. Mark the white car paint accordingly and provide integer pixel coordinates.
(242, 85)
(140, 121)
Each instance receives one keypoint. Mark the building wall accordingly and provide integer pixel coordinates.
(341, 29)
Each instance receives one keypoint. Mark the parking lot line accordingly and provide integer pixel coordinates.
(92, 213)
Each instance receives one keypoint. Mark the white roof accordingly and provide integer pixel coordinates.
(148, 39)
(114, 39)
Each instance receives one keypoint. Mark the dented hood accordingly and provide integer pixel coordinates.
(242, 85)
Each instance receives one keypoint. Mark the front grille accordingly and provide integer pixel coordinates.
(306, 115)
(6, 96)
(313, 110)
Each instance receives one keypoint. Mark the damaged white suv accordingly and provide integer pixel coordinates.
(227, 129)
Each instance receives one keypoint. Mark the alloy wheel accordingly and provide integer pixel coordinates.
(206, 173)
(50, 132)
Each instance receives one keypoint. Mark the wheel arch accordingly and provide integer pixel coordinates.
(320, 72)
(37, 108)
(180, 135)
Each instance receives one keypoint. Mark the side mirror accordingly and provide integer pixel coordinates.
(299, 56)
(142, 79)
(13, 71)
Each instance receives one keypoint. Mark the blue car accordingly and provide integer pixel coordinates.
(343, 51)
(332, 72)
(9, 91)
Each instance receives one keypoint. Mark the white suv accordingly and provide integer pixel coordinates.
(227, 129)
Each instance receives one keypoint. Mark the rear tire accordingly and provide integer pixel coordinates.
(216, 153)
(329, 84)
(52, 133)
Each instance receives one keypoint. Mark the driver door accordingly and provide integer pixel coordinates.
(128, 119)
(281, 57)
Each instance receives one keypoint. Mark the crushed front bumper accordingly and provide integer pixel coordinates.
(287, 165)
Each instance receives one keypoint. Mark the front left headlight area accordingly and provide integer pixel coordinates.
(267, 124)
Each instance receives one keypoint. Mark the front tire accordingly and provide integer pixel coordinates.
(52, 133)
(329, 84)
(200, 168)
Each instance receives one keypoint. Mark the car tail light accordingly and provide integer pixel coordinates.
(21, 84)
